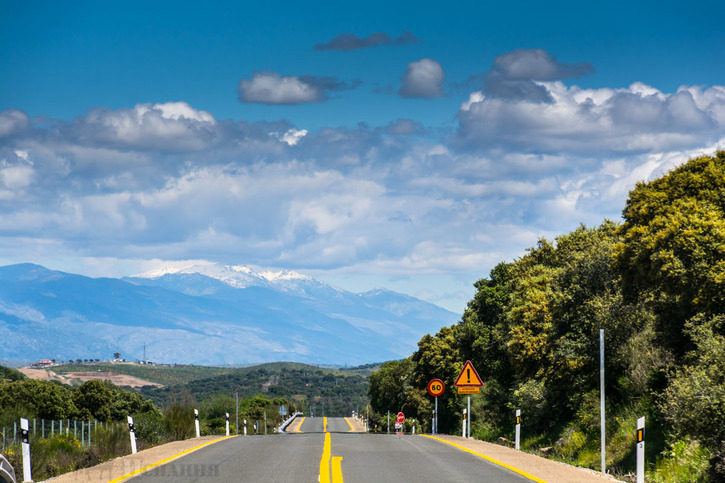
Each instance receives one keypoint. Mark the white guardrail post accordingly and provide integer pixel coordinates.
(132, 434)
(196, 423)
(640, 450)
(27, 476)
(227, 424)
(518, 429)
(464, 424)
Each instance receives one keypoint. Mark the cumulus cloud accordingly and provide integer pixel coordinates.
(12, 121)
(423, 79)
(639, 118)
(169, 180)
(173, 125)
(514, 75)
(348, 41)
(537, 64)
(405, 127)
(291, 137)
(271, 88)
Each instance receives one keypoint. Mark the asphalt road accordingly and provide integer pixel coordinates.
(337, 455)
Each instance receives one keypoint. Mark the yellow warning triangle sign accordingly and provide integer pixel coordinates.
(468, 377)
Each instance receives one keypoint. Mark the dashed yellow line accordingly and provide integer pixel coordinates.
(488, 458)
(325, 460)
(327, 476)
(159, 463)
(337, 469)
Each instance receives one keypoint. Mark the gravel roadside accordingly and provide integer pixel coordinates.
(543, 468)
(112, 470)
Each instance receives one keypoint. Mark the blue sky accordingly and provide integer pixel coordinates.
(409, 145)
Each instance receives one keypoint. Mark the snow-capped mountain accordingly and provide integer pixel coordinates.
(240, 276)
(206, 314)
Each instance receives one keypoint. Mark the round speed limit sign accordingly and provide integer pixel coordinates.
(436, 387)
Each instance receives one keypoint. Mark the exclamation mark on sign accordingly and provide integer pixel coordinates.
(468, 374)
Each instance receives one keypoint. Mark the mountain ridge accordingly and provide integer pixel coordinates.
(186, 316)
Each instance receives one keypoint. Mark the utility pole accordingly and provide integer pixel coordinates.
(601, 397)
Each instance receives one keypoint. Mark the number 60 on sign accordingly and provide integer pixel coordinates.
(436, 387)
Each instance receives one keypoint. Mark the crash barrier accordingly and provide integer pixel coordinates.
(288, 421)
(7, 473)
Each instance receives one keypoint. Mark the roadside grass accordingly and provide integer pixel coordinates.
(683, 461)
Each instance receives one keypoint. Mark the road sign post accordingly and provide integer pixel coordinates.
(468, 426)
(468, 382)
(435, 388)
(399, 423)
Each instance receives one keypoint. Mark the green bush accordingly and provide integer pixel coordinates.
(50, 457)
(179, 421)
(111, 440)
(149, 428)
(686, 462)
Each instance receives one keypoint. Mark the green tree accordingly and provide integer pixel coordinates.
(694, 402)
(8, 374)
(37, 398)
(126, 403)
(93, 400)
(673, 249)
(483, 331)
(438, 357)
(389, 387)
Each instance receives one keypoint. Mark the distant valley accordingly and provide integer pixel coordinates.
(208, 314)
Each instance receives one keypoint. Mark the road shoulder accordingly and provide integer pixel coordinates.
(114, 469)
(542, 468)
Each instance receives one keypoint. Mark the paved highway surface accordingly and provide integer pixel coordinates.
(334, 456)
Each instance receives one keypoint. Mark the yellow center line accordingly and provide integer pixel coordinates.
(145, 468)
(351, 426)
(488, 458)
(324, 424)
(325, 461)
(327, 476)
(300, 425)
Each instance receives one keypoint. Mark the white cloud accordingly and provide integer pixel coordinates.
(271, 88)
(12, 121)
(182, 110)
(636, 119)
(171, 126)
(17, 177)
(291, 136)
(399, 200)
(423, 79)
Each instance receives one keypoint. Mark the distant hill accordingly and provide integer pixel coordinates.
(209, 315)
(317, 390)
